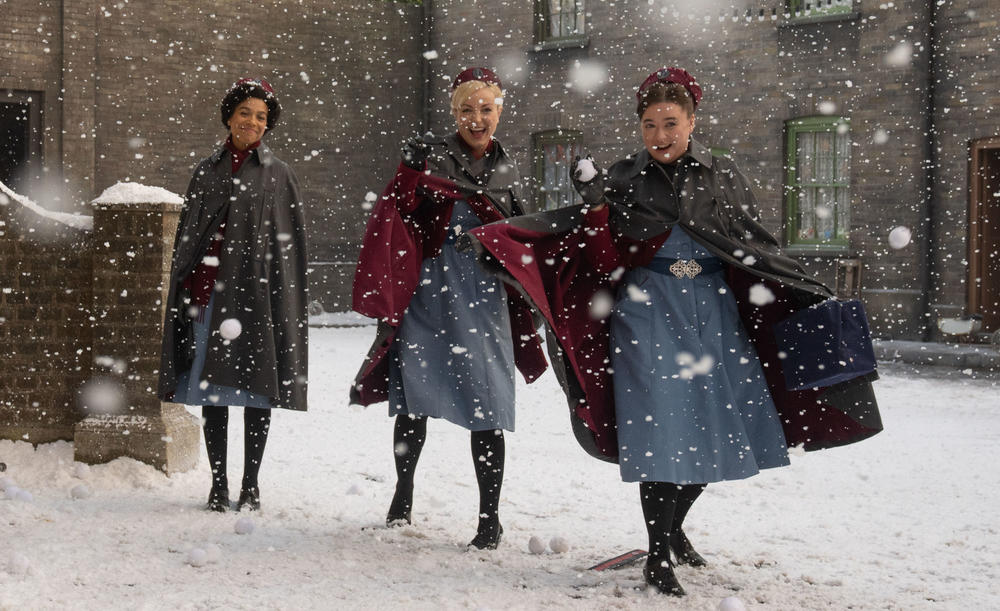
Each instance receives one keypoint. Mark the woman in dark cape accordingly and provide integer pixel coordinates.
(236, 329)
(660, 295)
(449, 336)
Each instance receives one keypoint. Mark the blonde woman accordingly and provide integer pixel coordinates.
(445, 347)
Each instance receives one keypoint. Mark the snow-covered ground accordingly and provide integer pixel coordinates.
(905, 520)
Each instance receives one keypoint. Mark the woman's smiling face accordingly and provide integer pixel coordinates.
(666, 130)
(248, 123)
(477, 119)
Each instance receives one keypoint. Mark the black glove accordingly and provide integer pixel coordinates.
(591, 191)
(414, 153)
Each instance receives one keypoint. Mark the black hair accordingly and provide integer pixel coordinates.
(671, 93)
(242, 91)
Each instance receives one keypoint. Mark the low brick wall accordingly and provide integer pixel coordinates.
(45, 324)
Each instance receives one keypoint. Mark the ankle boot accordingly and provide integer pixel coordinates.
(683, 551)
(487, 536)
(660, 574)
(218, 500)
(249, 499)
(401, 508)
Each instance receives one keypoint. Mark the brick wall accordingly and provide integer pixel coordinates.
(757, 75)
(142, 95)
(45, 325)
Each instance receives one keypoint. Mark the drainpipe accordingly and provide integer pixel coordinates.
(931, 158)
(426, 72)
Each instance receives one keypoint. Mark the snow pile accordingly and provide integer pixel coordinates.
(135, 193)
(71, 220)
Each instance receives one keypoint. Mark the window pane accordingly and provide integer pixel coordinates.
(556, 185)
(806, 217)
(826, 204)
(804, 160)
(843, 170)
(843, 213)
(824, 157)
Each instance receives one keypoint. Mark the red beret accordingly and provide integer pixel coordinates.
(672, 75)
(255, 82)
(477, 74)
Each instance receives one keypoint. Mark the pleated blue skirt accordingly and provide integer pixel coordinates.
(692, 405)
(453, 356)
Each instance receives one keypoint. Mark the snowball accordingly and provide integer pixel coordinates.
(244, 526)
(827, 107)
(213, 553)
(230, 328)
(102, 396)
(637, 294)
(731, 603)
(527, 259)
(354, 490)
(760, 295)
(899, 237)
(704, 365)
(559, 545)
(80, 491)
(371, 196)
(588, 76)
(536, 545)
(881, 136)
(684, 358)
(429, 55)
(601, 304)
(900, 55)
(459, 350)
(81, 470)
(18, 564)
(197, 557)
(585, 170)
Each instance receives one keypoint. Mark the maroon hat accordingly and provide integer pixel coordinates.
(672, 75)
(477, 74)
(254, 82)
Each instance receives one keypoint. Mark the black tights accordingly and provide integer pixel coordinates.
(488, 448)
(256, 423)
(664, 507)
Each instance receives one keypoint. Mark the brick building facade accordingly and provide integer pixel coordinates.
(113, 92)
(913, 83)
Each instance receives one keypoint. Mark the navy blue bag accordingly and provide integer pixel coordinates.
(825, 344)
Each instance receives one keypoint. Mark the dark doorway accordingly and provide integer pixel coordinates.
(20, 138)
(984, 232)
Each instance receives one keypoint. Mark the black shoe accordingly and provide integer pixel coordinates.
(218, 500)
(659, 574)
(249, 499)
(401, 508)
(488, 537)
(684, 552)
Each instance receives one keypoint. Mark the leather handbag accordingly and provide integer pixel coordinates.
(825, 344)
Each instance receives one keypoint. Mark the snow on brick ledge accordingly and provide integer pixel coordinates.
(135, 193)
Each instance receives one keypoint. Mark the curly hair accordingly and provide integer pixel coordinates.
(250, 89)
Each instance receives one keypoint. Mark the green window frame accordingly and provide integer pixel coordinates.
(819, 8)
(553, 153)
(560, 21)
(818, 182)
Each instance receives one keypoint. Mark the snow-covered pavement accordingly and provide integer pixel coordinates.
(905, 520)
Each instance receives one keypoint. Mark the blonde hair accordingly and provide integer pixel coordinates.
(466, 89)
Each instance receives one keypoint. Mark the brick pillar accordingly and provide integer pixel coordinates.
(132, 249)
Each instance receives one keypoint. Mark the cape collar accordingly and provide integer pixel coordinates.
(696, 150)
(263, 154)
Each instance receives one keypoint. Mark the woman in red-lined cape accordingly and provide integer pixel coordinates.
(449, 334)
(660, 294)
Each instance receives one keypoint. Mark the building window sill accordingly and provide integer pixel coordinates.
(575, 42)
(809, 250)
(793, 21)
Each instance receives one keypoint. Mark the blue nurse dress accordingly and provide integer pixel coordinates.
(692, 405)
